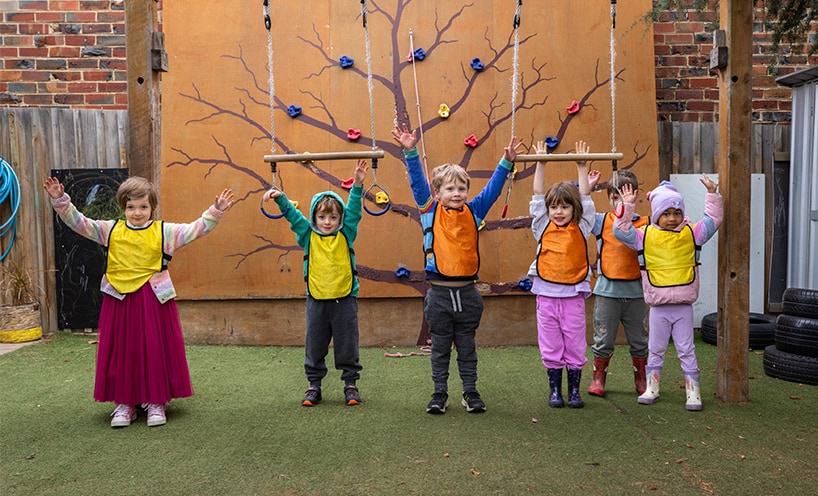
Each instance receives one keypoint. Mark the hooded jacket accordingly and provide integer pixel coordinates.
(306, 231)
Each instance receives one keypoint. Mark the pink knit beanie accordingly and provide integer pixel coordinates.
(663, 197)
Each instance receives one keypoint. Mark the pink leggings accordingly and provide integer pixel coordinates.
(675, 321)
(561, 331)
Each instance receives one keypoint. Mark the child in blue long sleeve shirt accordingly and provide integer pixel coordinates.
(450, 223)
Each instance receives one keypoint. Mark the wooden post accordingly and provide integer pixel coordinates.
(735, 132)
(144, 109)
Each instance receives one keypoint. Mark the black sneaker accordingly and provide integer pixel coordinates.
(472, 402)
(438, 404)
(351, 396)
(312, 397)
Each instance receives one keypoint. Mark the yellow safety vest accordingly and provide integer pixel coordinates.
(329, 266)
(669, 256)
(617, 262)
(134, 255)
(454, 242)
(563, 255)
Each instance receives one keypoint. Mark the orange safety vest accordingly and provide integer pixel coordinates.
(617, 262)
(454, 242)
(560, 259)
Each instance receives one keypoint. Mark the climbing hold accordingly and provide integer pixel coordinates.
(402, 272)
(443, 111)
(419, 54)
(381, 198)
(470, 141)
(524, 284)
(345, 61)
(347, 183)
(295, 203)
(482, 225)
(353, 134)
(307, 161)
(294, 110)
(551, 142)
(573, 108)
(477, 64)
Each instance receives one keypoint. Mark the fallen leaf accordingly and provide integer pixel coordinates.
(708, 428)
(681, 460)
(742, 457)
(445, 455)
(534, 420)
(793, 397)
(93, 341)
(689, 445)
(741, 437)
(30, 457)
(474, 472)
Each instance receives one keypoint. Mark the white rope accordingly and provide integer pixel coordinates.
(364, 9)
(270, 81)
(613, 79)
(417, 100)
(514, 75)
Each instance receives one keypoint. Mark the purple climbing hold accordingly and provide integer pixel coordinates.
(294, 110)
(477, 64)
(345, 61)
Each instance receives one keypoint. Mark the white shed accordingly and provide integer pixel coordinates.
(802, 259)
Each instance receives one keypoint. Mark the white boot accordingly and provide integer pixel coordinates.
(694, 394)
(651, 394)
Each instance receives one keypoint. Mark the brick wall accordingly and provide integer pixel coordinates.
(72, 53)
(685, 89)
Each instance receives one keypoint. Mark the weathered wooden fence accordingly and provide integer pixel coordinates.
(34, 141)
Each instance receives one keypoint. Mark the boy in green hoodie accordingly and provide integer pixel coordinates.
(332, 284)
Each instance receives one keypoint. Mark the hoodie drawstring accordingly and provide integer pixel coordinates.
(457, 306)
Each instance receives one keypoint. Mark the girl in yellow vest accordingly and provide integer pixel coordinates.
(562, 220)
(332, 284)
(141, 352)
(617, 293)
(669, 257)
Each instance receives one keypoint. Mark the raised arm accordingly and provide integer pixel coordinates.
(582, 169)
(539, 172)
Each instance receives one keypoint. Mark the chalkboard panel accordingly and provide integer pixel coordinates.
(81, 262)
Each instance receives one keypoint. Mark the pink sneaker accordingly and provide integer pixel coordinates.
(123, 415)
(156, 415)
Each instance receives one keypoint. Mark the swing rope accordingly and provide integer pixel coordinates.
(417, 103)
(271, 90)
(375, 185)
(613, 82)
(514, 85)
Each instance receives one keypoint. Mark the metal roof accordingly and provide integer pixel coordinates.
(799, 77)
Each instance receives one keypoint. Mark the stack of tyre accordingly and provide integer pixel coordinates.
(794, 357)
(762, 330)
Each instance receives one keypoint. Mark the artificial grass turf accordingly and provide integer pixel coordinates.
(244, 432)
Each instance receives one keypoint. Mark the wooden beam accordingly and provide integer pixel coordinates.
(735, 134)
(317, 157)
(568, 157)
(144, 109)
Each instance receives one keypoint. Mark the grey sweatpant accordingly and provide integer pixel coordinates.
(608, 312)
(335, 320)
(453, 315)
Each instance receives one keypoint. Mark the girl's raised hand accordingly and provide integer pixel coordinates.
(53, 187)
(593, 179)
(581, 148)
(510, 152)
(711, 186)
(360, 171)
(224, 201)
(407, 139)
(540, 148)
(272, 193)
(628, 194)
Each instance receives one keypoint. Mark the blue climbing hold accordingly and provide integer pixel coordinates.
(551, 142)
(420, 54)
(524, 284)
(477, 64)
(294, 110)
(346, 61)
(402, 272)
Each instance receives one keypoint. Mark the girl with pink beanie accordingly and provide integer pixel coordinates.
(669, 261)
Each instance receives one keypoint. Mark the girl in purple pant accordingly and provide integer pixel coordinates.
(669, 258)
(562, 220)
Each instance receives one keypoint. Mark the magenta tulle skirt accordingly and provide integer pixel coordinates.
(141, 352)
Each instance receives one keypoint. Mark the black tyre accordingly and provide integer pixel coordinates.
(762, 330)
(798, 335)
(790, 367)
(801, 302)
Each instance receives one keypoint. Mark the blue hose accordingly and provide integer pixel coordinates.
(9, 192)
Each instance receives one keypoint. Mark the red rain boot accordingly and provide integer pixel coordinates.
(597, 387)
(639, 373)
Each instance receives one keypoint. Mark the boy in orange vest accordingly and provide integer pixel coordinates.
(450, 222)
(618, 292)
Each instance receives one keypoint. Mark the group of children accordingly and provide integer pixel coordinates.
(141, 357)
